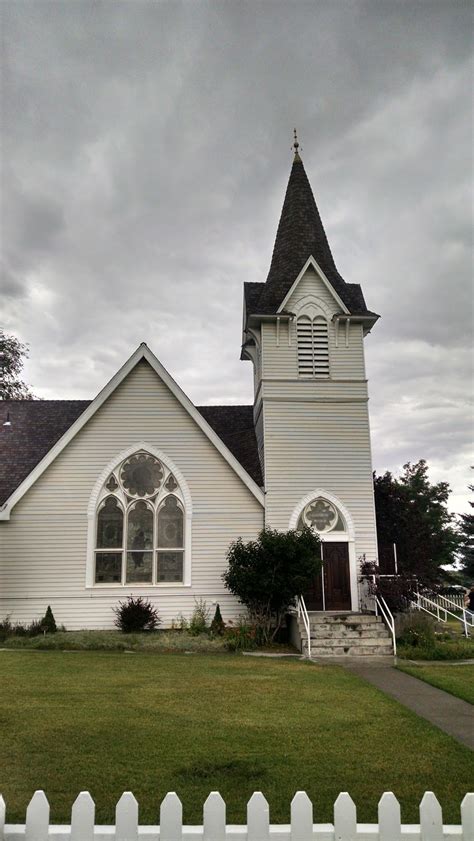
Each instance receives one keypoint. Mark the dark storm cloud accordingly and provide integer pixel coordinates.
(145, 160)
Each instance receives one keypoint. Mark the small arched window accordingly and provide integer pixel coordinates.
(140, 525)
(321, 515)
(313, 346)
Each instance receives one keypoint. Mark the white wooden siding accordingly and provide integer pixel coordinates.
(43, 546)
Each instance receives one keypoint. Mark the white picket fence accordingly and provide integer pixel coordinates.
(258, 827)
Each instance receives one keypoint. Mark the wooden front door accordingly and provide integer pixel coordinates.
(331, 589)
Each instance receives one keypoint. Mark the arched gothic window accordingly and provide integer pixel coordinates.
(313, 346)
(322, 516)
(140, 525)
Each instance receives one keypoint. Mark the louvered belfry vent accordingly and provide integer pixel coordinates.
(313, 346)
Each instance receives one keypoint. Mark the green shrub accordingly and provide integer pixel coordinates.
(218, 624)
(416, 630)
(240, 637)
(199, 620)
(268, 573)
(136, 614)
(48, 622)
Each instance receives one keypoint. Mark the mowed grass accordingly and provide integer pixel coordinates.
(110, 722)
(458, 680)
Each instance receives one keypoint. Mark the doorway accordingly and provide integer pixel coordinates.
(331, 589)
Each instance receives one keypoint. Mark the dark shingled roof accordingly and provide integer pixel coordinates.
(36, 425)
(234, 425)
(300, 234)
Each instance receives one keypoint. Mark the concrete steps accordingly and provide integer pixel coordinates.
(346, 635)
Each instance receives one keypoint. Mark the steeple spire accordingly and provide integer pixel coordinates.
(296, 146)
(300, 235)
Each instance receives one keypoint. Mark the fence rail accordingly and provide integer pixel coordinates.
(258, 827)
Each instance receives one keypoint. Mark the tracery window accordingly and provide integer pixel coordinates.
(313, 346)
(140, 525)
(322, 516)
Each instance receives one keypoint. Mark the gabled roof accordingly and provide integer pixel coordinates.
(40, 429)
(300, 235)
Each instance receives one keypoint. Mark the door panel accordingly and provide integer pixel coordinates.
(313, 596)
(337, 583)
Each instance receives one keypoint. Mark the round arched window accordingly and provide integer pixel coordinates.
(322, 516)
(141, 475)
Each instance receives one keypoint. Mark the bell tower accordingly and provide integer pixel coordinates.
(304, 330)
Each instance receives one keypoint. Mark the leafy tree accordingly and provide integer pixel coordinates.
(412, 513)
(267, 574)
(466, 530)
(12, 356)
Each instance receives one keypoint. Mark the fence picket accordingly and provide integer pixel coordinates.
(345, 818)
(389, 818)
(258, 818)
(82, 818)
(171, 818)
(2, 816)
(431, 818)
(467, 817)
(37, 818)
(301, 817)
(126, 818)
(214, 814)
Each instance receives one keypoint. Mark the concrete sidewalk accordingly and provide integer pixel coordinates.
(454, 716)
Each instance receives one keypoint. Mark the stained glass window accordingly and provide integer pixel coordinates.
(140, 525)
(110, 525)
(169, 566)
(108, 567)
(170, 524)
(141, 475)
(322, 516)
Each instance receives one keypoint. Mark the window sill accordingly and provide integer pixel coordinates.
(163, 585)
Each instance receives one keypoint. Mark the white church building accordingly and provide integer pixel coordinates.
(141, 492)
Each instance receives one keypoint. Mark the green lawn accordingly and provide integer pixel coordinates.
(458, 680)
(193, 723)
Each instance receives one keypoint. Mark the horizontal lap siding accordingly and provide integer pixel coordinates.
(43, 546)
(312, 446)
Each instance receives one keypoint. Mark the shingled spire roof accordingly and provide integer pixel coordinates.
(300, 235)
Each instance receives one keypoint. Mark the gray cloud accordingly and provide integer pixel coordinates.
(146, 154)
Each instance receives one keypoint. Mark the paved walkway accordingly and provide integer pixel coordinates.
(454, 716)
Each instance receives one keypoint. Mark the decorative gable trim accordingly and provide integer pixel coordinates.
(142, 352)
(317, 268)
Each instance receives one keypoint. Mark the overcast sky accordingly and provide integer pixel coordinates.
(146, 154)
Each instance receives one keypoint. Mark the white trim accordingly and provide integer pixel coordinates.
(142, 352)
(92, 510)
(347, 536)
(312, 262)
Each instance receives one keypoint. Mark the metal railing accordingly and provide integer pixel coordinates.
(441, 612)
(382, 607)
(302, 611)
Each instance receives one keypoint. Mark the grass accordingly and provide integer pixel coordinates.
(458, 680)
(109, 722)
(159, 641)
(448, 649)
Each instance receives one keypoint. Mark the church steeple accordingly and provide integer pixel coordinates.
(300, 235)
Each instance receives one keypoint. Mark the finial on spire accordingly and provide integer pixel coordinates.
(296, 145)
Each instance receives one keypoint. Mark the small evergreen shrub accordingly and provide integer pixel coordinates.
(241, 637)
(199, 620)
(48, 622)
(217, 624)
(136, 614)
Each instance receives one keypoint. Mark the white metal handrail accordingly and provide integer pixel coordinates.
(457, 607)
(382, 606)
(302, 611)
(434, 609)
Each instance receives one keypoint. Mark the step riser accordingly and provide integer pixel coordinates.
(381, 651)
(334, 630)
(365, 643)
(352, 619)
